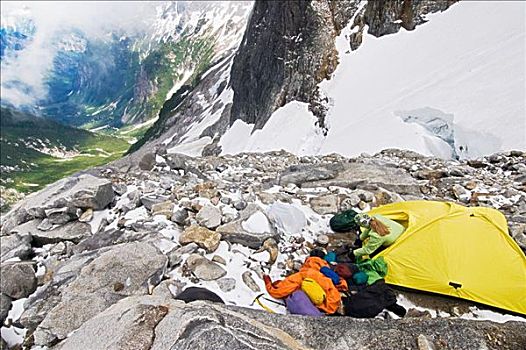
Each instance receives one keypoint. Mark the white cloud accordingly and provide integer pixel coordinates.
(51, 18)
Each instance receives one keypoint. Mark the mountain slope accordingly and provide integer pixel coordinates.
(118, 78)
(441, 89)
(35, 151)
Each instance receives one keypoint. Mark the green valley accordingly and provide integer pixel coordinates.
(36, 151)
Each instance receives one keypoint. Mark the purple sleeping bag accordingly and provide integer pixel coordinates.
(298, 303)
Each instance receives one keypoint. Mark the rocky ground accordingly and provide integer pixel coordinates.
(113, 246)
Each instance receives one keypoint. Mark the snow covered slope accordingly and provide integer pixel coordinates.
(458, 80)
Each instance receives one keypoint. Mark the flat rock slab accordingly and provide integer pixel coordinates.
(73, 231)
(251, 230)
(387, 176)
(205, 325)
(83, 191)
(129, 269)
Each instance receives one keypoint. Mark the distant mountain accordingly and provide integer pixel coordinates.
(120, 79)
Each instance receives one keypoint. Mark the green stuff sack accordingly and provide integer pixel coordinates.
(313, 290)
(344, 221)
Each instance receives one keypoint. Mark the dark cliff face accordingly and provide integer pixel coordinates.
(388, 16)
(288, 48)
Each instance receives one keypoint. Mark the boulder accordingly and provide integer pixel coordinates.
(83, 191)
(99, 240)
(177, 161)
(249, 282)
(251, 230)
(72, 231)
(175, 257)
(15, 246)
(325, 204)
(203, 237)
(179, 216)
(203, 268)
(86, 216)
(209, 217)
(147, 161)
(302, 173)
(150, 200)
(125, 270)
(163, 208)
(132, 327)
(17, 279)
(386, 175)
(172, 324)
(61, 216)
(12, 219)
(5, 306)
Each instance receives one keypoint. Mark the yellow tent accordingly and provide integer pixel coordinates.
(464, 252)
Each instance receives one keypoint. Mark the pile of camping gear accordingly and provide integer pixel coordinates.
(437, 247)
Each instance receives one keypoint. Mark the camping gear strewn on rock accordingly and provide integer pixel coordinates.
(310, 269)
(369, 301)
(331, 274)
(345, 270)
(344, 221)
(330, 257)
(298, 303)
(360, 278)
(198, 293)
(374, 240)
(375, 269)
(464, 252)
(313, 290)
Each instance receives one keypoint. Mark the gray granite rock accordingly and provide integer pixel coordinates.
(15, 246)
(150, 200)
(5, 305)
(132, 327)
(300, 174)
(60, 216)
(327, 204)
(209, 216)
(128, 269)
(83, 191)
(72, 231)
(385, 175)
(203, 325)
(203, 268)
(17, 279)
(226, 284)
(249, 282)
(39, 304)
(147, 162)
(251, 230)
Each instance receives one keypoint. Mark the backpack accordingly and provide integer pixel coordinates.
(344, 221)
(369, 301)
(298, 303)
(313, 290)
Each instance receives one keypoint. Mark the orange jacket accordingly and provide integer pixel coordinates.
(310, 269)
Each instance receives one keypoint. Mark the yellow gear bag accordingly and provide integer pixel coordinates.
(313, 290)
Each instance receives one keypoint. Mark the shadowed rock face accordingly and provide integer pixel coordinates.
(288, 48)
(201, 325)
